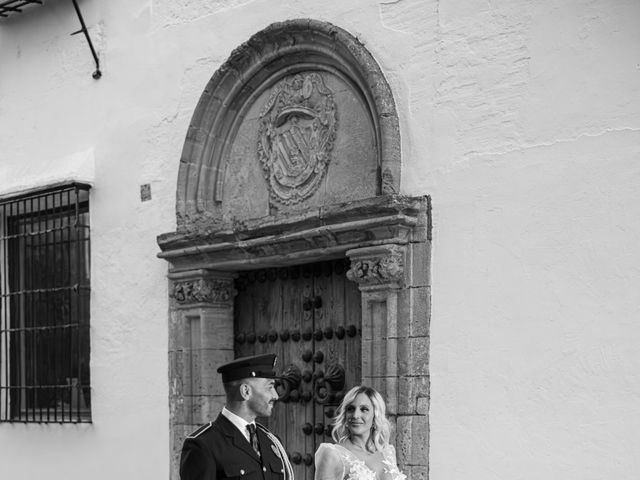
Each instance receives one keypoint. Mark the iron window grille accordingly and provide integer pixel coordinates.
(44, 306)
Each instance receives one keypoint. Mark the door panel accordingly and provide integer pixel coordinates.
(309, 316)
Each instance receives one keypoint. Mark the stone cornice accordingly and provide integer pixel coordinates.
(324, 233)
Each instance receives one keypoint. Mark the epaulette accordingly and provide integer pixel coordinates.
(200, 431)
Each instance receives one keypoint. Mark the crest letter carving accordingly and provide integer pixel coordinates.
(296, 133)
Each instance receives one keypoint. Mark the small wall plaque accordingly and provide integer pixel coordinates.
(145, 192)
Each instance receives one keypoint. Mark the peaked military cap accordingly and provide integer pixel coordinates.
(258, 366)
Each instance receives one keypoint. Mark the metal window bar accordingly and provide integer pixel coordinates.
(44, 306)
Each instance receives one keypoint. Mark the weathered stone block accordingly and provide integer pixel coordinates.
(379, 384)
(413, 356)
(417, 472)
(375, 317)
(403, 439)
(201, 409)
(414, 311)
(419, 364)
(422, 406)
(176, 372)
(177, 413)
(393, 427)
(391, 394)
(420, 443)
(421, 315)
(204, 363)
(216, 327)
(418, 266)
(413, 440)
(367, 352)
(188, 409)
(379, 357)
(390, 357)
(419, 234)
(178, 330)
(390, 329)
(412, 389)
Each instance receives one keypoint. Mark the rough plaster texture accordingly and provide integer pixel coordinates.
(520, 118)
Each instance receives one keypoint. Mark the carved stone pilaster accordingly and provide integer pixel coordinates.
(377, 267)
(205, 290)
(200, 338)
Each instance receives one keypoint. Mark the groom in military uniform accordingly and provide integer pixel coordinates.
(234, 445)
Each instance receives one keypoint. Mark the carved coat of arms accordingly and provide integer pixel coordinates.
(297, 129)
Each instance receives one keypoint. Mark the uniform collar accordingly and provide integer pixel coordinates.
(239, 422)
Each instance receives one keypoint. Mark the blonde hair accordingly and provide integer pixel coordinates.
(379, 435)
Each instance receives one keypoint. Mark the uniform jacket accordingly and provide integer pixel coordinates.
(219, 451)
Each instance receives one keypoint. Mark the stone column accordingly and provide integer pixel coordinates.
(393, 280)
(378, 271)
(200, 340)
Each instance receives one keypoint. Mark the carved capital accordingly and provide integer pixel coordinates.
(380, 266)
(207, 290)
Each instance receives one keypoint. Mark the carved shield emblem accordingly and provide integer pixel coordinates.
(297, 129)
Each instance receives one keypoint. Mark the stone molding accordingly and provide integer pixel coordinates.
(377, 267)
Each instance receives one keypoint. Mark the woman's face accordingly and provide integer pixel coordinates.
(359, 416)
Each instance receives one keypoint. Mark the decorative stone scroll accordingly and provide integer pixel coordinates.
(377, 266)
(203, 290)
(296, 135)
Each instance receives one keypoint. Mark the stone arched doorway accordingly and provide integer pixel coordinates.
(293, 157)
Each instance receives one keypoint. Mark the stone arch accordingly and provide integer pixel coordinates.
(279, 50)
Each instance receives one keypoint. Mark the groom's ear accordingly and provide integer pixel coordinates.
(245, 391)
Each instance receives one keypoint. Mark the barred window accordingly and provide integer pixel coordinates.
(44, 306)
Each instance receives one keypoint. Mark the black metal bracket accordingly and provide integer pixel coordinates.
(97, 74)
(8, 7)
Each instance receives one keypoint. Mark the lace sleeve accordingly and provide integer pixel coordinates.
(389, 454)
(391, 463)
(329, 465)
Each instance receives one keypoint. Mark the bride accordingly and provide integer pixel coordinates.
(361, 432)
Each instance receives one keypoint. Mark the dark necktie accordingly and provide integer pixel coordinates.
(253, 436)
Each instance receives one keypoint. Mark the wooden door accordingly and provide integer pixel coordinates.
(309, 315)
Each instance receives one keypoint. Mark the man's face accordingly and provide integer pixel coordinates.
(262, 397)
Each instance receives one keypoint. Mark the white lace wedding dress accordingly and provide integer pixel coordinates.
(334, 462)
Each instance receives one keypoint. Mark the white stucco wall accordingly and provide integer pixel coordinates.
(520, 118)
(531, 152)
